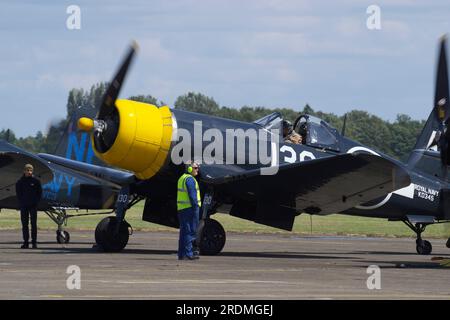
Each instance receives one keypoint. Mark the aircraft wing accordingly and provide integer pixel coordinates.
(11, 169)
(320, 186)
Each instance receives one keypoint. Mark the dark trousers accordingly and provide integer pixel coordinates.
(188, 219)
(26, 214)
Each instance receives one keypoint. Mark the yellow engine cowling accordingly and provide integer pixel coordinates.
(143, 139)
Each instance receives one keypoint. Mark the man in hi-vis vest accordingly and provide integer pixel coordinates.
(188, 206)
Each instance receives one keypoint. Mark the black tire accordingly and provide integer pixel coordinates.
(62, 237)
(448, 243)
(106, 237)
(424, 247)
(211, 237)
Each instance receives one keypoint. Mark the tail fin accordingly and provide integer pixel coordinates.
(76, 145)
(426, 154)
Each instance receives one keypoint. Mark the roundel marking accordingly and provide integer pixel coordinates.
(386, 199)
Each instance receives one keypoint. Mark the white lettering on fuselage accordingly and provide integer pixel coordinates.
(291, 156)
(426, 193)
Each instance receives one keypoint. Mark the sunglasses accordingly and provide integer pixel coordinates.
(194, 168)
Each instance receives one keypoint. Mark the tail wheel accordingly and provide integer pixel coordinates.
(211, 236)
(108, 238)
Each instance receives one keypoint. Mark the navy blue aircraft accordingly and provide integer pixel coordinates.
(252, 171)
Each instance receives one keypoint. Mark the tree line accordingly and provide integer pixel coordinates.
(393, 138)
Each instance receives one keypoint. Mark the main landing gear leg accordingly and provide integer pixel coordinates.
(423, 247)
(211, 236)
(59, 216)
(112, 233)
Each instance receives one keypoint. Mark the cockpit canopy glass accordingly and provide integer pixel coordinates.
(316, 132)
(271, 121)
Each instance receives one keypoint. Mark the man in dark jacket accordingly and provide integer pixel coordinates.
(29, 193)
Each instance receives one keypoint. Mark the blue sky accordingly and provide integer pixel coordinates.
(271, 53)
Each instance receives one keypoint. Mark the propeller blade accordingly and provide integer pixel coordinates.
(114, 87)
(441, 96)
(344, 125)
(441, 104)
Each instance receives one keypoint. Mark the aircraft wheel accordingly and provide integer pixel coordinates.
(62, 237)
(212, 237)
(448, 243)
(107, 238)
(423, 247)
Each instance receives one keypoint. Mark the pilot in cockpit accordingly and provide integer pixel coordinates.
(289, 135)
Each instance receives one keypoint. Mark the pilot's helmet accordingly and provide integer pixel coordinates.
(302, 129)
(287, 126)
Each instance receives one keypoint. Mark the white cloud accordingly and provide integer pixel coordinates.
(262, 44)
(76, 80)
(397, 29)
(67, 81)
(287, 75)
(153, 50)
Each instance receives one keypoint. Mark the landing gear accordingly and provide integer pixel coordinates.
(59, 216)
(448, 243)
(211, 237)
(423, 247)
(112, 233)
(62, 237)
(112, 236)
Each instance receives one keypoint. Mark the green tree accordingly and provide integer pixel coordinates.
(197, 102)
(148, 99)
(81, 98)
(8, 135)
(405, 132)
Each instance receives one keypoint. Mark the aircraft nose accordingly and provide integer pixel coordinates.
(138, 140)
(85, 124)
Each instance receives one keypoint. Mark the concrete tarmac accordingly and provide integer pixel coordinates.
(251, 266)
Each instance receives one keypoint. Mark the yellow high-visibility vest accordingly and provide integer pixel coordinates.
(183, 201)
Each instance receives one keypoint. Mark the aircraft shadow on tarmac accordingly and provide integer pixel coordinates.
(19, 243)
(382, 253)
(48, 247)
(268, 255)
(408, 265)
